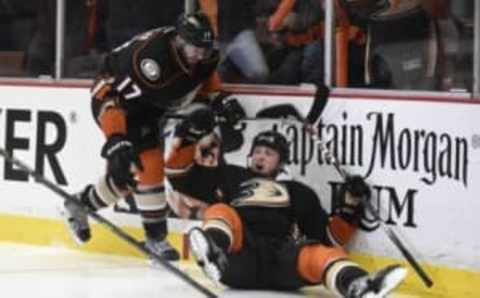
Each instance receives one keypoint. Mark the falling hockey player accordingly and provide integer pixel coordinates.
(160, 71)
(245, 240)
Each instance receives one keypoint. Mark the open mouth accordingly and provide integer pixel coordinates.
(258, 168)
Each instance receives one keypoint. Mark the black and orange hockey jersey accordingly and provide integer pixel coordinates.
(148, 75)
(267, 207)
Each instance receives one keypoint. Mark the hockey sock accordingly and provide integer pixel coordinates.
(91, 200)
(346, 276)
(155, 230)
(220, 238)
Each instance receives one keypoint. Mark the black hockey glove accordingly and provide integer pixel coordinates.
(232, 137)
(119, 152)
(348, 204)
(199, 122)
(228, 110)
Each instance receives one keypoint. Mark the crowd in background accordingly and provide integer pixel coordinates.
(418, 45)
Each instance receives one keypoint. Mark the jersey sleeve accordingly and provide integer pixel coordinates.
(314, 222)
(129, 72)
(106, 108)
(187, 177)
(311, 218)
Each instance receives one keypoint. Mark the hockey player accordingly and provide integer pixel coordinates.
(246, 239)
(159, 71)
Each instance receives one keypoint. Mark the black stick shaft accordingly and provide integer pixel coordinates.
(112, 227)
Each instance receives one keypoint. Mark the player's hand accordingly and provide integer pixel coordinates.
(349, 205)
(198, 123)
(207, 151)
(357, 187)
(228, 109)
(122, 161)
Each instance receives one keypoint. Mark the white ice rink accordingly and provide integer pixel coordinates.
(39, 272)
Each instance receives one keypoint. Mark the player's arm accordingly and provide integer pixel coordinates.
(340, 226)
(111, 117)
(347, 210)
(193, 190)
(198, 122)
(227, 110)
(106, 107)
(310, 216)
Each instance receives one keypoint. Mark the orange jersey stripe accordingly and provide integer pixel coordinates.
(113, 121)
(341, 230)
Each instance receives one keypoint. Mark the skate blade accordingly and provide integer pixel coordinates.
(73, 235)
(200, 248)
(392, 280)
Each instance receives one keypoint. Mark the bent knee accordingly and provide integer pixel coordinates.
(313, 261)
(225, 218)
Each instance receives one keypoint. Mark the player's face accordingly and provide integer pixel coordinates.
(265, 161)
(195, 54)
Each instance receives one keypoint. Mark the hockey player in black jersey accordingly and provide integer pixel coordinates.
(157, 72)
(246, 237)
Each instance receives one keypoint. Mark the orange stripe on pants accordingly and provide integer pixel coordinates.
(314, 259)
(152, 162)
(228, 215)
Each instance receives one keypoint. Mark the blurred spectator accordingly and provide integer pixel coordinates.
(86, 48)
(92, 27)
(127, 18)
(412, 45)
(16, 23)
(462, 13)
(235, 24)
(446, 36)
(39, 57)
(16, 29)
(40, 54)
(292, 34)
(275, 19)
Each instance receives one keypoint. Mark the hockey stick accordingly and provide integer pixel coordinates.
(103, 221)
(317, 107)
(282, 112)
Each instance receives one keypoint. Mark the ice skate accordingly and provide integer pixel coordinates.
(76, 218)
(377, 284)
(163, 249)
(207, 255)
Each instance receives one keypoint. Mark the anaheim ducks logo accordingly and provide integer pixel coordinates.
(150, 69)
(262, 193)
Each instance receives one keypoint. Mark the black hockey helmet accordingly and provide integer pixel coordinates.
(195, 29)
(274, 140)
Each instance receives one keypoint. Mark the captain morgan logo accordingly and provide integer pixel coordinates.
(430, 155)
